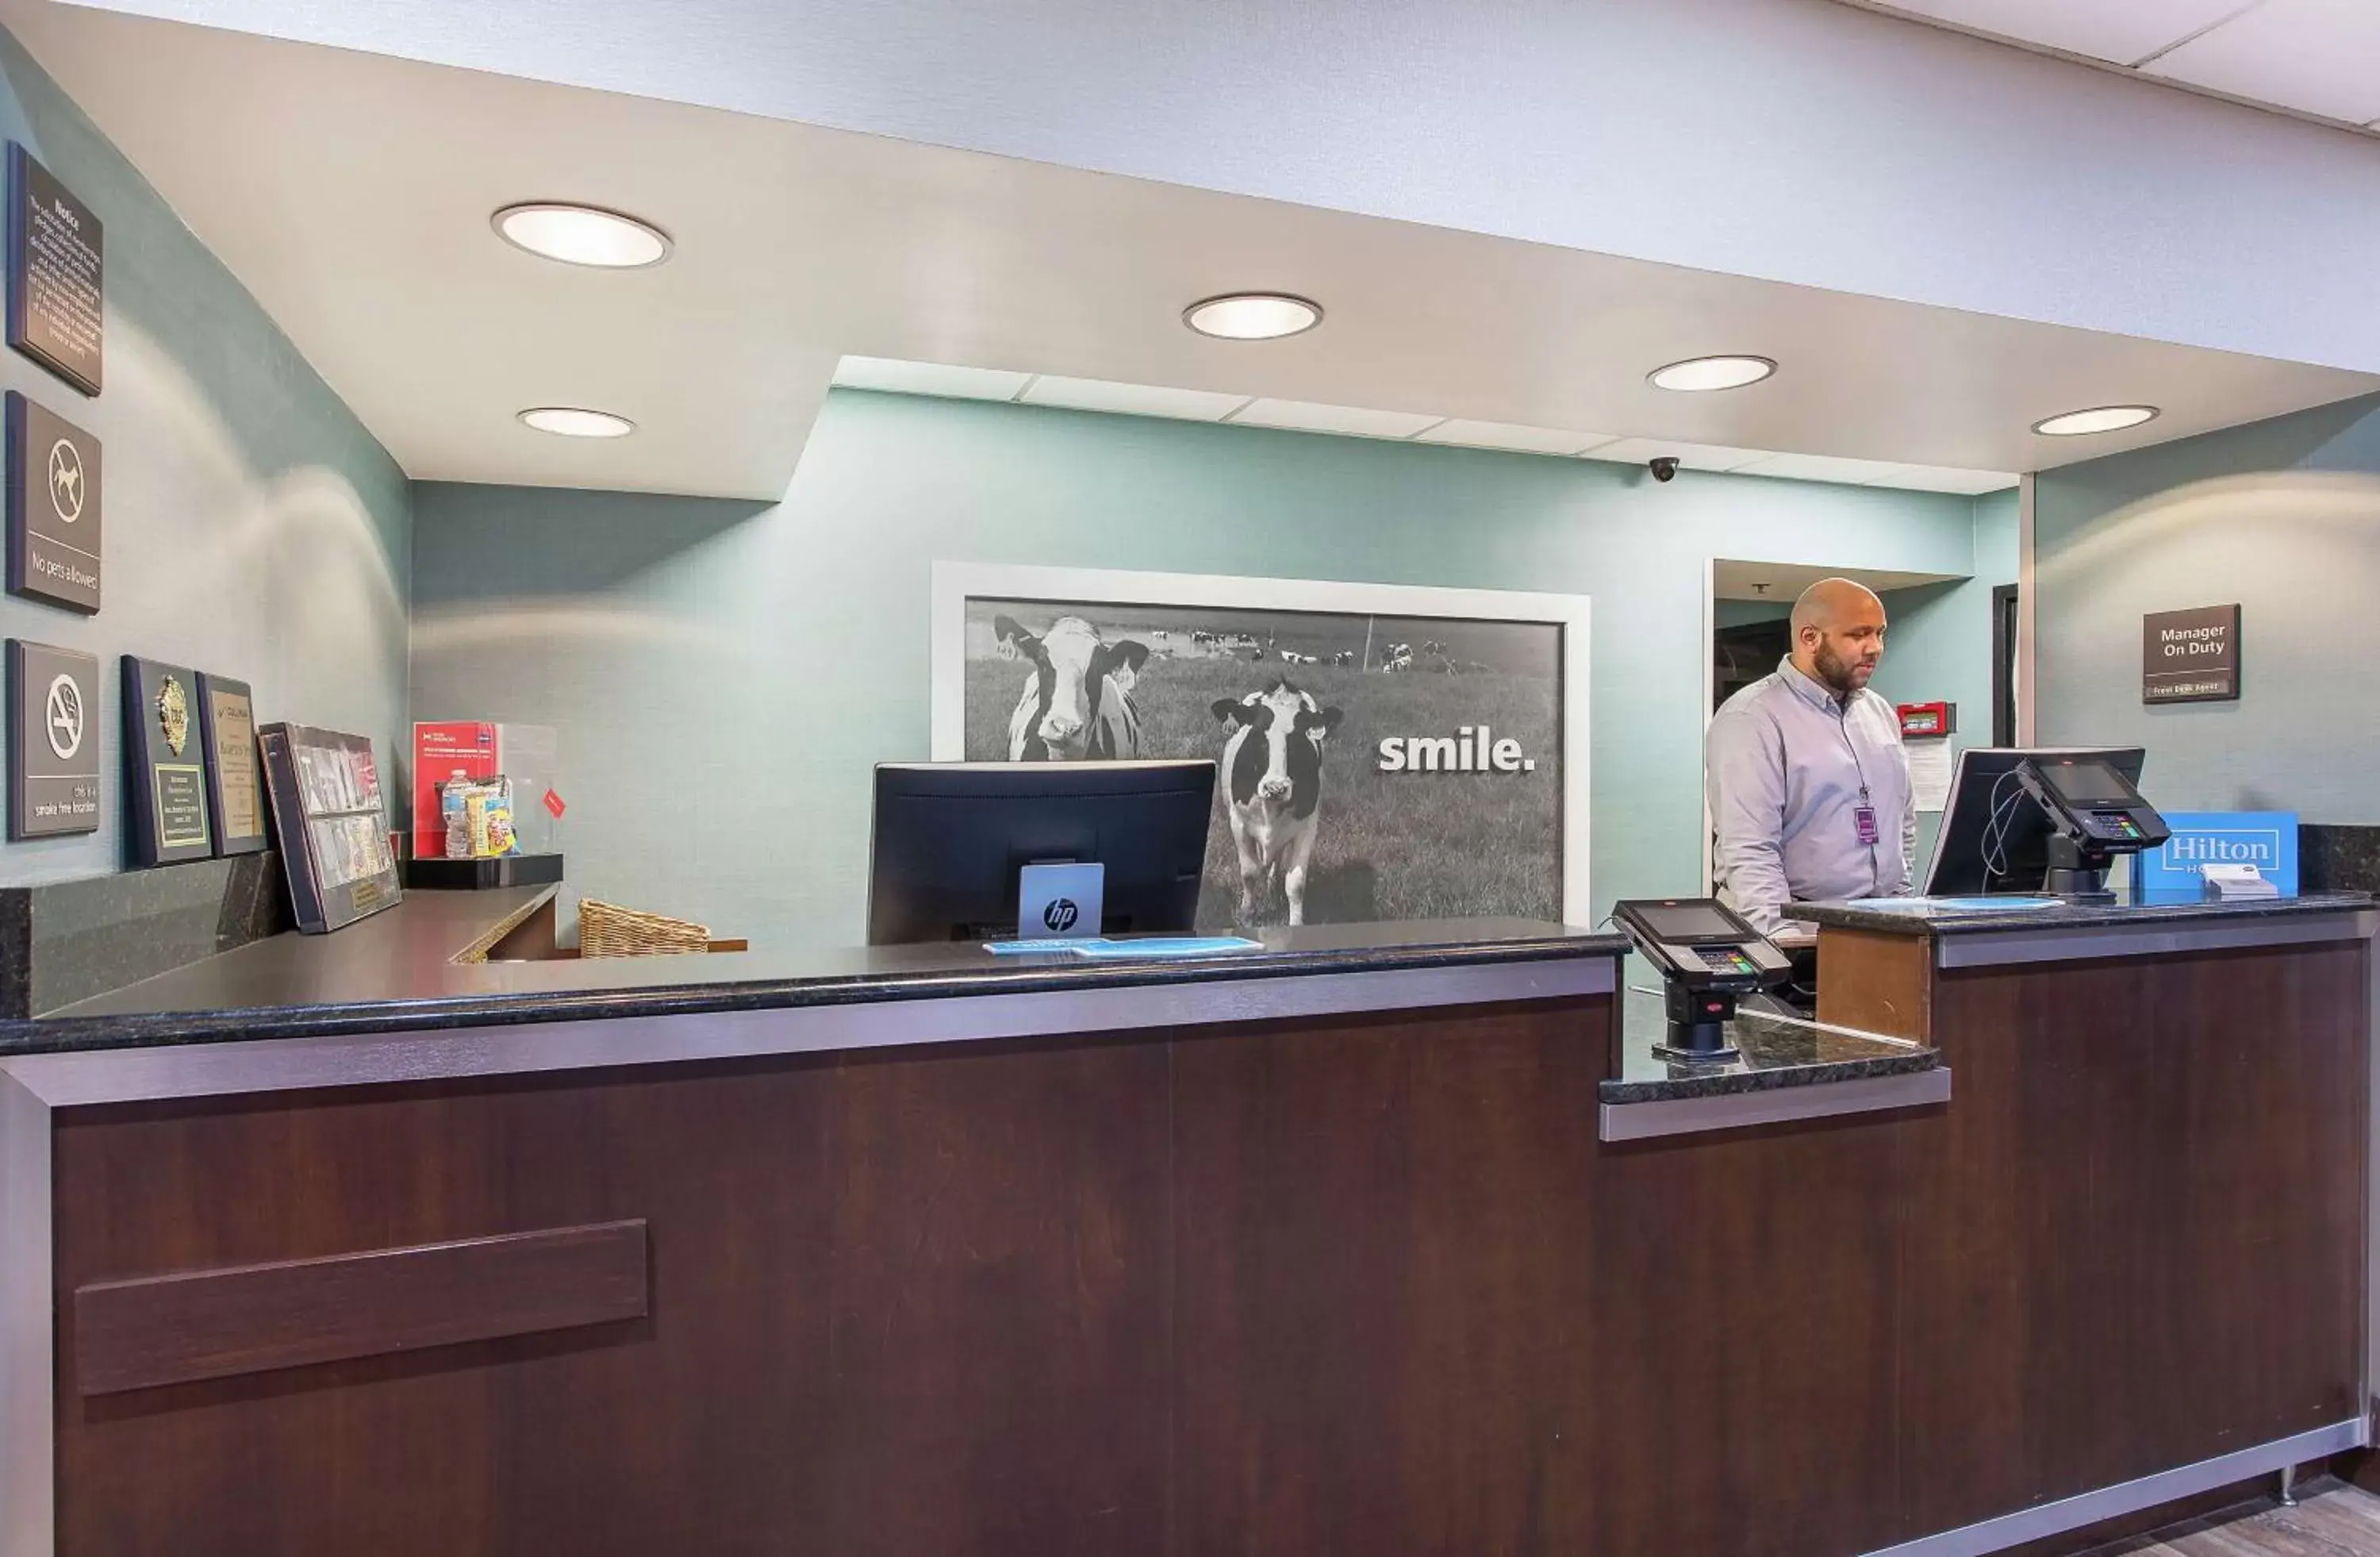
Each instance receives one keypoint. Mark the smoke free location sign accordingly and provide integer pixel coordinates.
(2190, 656)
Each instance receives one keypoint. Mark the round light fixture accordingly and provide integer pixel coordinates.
(1253, 316)
(1699, 373)
(571, 421)
(582, 235)
(2099, 418)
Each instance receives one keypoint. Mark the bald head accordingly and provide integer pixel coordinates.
(1838, 635)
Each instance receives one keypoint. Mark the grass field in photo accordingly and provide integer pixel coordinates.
(1390, 846)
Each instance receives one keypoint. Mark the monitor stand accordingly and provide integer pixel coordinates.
(1697, 1031)
(2078, 873)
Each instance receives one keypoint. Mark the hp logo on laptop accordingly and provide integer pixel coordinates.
(1059, 915)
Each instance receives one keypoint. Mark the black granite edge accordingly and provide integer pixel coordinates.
(1728, 1082)
(88, 1034)
(2073, 916)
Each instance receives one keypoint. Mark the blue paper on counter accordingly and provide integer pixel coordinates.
(1951, 904)
(1167, 947)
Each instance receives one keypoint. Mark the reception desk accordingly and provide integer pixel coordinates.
(1347, 1245)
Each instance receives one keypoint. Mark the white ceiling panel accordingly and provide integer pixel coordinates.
(1823, 468)
(1932, 478)
(1131, 399)
(1305, 415)
(1693, 457)
(929, 378)
(1507, 435)
(2121, 31)
(2317, 56)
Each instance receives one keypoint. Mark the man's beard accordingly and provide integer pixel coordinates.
(1835, 672)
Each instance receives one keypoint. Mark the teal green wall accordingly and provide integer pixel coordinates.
(724, 674)
(1743, 612)
(252, 527)
(1940, 647)
(2282, 516)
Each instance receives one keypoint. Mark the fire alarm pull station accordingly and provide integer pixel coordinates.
(1922, 720)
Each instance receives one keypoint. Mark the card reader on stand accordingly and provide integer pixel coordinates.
(1708, 959)
(2095, 814)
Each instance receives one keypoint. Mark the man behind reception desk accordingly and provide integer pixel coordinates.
(1808, 784)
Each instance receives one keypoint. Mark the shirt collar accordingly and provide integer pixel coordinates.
(1807, 690)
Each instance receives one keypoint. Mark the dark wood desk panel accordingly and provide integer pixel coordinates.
(901, 1303)
(1423, 1310)
(2136, 1240)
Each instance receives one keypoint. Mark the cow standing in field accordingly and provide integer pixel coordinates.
(1273, 764)
(1077, 704)
(1344, 657)
(1398, 658)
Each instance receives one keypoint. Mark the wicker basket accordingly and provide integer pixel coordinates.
(606, 930)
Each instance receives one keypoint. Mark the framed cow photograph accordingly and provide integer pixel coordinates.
(1385, 751)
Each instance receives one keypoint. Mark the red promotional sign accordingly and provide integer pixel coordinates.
(553, 803)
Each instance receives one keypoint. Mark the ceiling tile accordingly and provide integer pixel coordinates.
(2124, 31)
(1822, 467)
(929, 378)
(1131, 399)
(1693, 457)
(1942, 478)
(2317, 56)
(1505, 435)
(1305, 415)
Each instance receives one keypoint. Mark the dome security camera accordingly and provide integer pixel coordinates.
(1664, 467)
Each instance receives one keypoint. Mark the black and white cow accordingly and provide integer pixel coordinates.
(1344, 657)
(1077, 704)
(1272, 763)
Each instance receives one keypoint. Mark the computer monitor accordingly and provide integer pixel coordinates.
(1994, 835)
(950, 837)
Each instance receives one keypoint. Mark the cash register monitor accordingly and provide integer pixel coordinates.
(1995, 833)
(950, 838)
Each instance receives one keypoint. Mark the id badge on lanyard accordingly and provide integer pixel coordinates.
(1865, 816)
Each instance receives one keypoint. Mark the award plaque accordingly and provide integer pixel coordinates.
(165, 759)
(52, 741)
(228, 718)
(56, 274)
(53, 508)
(331, 822)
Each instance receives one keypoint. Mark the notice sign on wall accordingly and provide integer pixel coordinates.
(2190, 656)
(53, 508)
(56, 256)
(52, 741)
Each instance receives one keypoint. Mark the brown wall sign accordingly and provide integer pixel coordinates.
(52, 741)
(56, 274)
(2190, 656)
(53, 520)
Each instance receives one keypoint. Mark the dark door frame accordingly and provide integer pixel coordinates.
(2004, 622)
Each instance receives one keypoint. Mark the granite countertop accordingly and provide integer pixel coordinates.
(1958, 916)
(1779, 1050)
(397, 971)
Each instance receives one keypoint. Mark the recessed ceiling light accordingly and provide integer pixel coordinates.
(1698, 373)
(2099, 418)
(1253, 316)
(582, 235)
(569, 422)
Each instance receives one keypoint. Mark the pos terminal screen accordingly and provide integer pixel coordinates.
(2090, 784)
(1684, 923)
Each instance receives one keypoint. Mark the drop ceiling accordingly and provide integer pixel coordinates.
(2317, 59)
(945, 382)
(351, 194)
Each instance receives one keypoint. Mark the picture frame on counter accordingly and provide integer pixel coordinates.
(329, 818)
(235, 784)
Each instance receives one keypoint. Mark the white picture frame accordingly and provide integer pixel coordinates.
(956, 583)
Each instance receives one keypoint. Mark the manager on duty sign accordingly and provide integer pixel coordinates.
(2190, 656)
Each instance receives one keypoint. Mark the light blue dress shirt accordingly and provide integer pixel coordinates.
(1788, 769)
